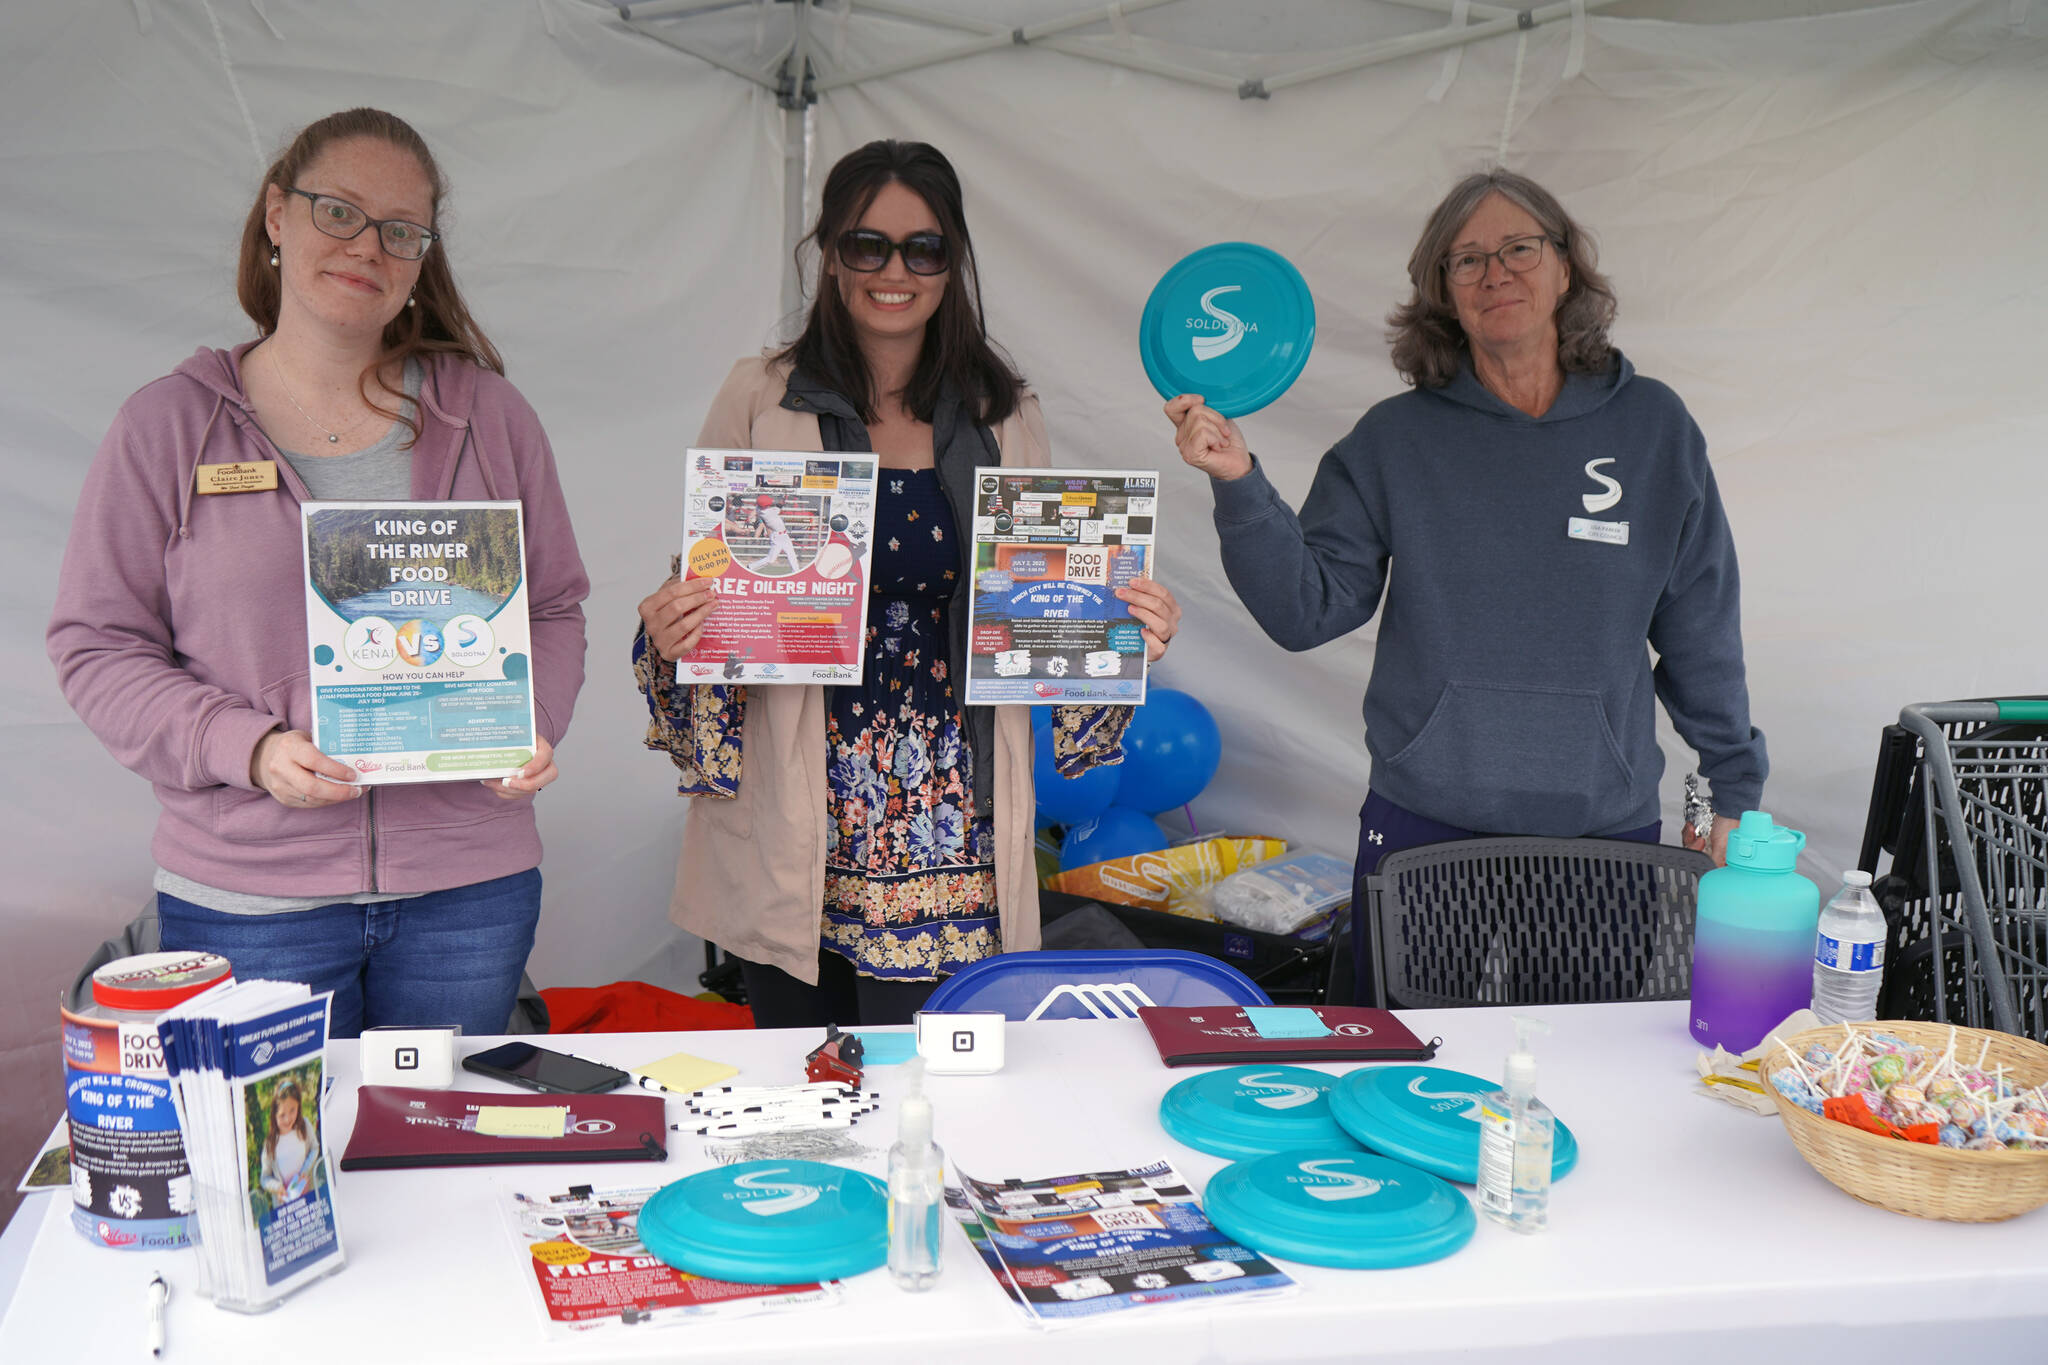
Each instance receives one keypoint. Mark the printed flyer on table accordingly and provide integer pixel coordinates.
(1051, 548)
(785, 538)
(581, 1253)
(1073, 1247)
(416, 622)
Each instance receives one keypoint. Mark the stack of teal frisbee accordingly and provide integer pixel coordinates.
(1428, 1117)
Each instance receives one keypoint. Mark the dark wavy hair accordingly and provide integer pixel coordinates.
(439, 323)
(1429, 345)
(956, 345)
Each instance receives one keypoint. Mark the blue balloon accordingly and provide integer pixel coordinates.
(1068, 800)
(1119, 832)
(1170, 752)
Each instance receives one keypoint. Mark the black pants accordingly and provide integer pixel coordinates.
(842, 996)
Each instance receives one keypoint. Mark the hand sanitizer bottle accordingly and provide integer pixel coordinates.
(1515, 1134)
(916, 1174)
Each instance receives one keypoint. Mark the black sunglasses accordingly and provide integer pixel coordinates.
(866, 251)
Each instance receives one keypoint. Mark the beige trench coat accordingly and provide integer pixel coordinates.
(751, 876)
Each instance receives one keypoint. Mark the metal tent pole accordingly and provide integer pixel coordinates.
(795, 93)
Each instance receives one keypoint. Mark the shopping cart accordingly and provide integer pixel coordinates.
(1983, 803)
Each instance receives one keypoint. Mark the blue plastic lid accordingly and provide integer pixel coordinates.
(1354, 1210)
(770, 1222)
(1761, 844)
(1233, 322)
(1429, 1117)
(1253, 1110)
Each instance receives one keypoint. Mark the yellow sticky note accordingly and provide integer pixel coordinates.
(682, 1073)
(506, 1120)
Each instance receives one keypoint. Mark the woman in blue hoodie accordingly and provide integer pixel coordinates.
(1534, 513)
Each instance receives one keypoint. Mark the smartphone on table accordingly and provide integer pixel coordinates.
(536, 1068)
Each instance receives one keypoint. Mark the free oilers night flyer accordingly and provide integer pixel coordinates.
(786, 539)
(420, 665)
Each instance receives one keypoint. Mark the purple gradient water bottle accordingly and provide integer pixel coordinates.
(1752, 950)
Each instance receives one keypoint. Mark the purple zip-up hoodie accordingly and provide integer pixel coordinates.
(179, 634)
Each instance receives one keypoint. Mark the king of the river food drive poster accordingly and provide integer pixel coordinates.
(420, 664)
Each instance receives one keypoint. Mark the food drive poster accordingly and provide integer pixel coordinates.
(416, 623)
(1051, 548)
(784, 537)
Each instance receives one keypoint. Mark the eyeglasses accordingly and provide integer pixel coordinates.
(339, 218)
(1520, 256)
(866, 251)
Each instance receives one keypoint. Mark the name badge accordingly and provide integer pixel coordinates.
(249, 476)
(1606, 532)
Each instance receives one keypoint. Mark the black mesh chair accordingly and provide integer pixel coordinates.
(1516, 921)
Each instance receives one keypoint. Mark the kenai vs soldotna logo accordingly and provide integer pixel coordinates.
(1218, 333)
(781, 1196)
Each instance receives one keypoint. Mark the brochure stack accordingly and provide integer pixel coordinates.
(247, 1064)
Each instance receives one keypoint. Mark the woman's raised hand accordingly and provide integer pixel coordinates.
(1207, 439)
(674, 615)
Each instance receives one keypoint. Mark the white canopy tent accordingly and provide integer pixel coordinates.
(1822, 220)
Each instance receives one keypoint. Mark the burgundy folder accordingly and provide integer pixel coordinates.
(398, 1127)
(1218, 1035)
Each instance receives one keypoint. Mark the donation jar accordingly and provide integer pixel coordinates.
(130, 1185)
(1752, 950)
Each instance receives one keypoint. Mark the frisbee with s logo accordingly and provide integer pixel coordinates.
(1232, 322)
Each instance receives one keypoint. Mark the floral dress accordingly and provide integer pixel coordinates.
(910, 885)
(909, 869)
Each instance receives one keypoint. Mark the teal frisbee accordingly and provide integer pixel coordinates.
(1245, 1111)
(1354, 1210)
(1232, 322)
(1429, 1117)
(770, 1222)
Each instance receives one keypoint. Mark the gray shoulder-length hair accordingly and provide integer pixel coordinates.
(1428, 343)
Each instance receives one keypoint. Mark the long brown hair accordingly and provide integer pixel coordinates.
(956, 345)
(1429, 344)
(439, 323)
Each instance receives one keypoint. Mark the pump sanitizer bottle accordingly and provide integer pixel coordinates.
(1515, 1135)
(916, 1179)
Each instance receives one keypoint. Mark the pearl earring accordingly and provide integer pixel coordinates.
(412, 300)
(273, 255)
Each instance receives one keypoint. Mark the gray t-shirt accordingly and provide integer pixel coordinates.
(381, 472)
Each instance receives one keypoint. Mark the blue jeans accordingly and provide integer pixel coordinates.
(1384, 828)
(446, 957)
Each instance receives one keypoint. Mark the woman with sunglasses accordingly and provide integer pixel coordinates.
(1550, 518)
(857, 843)
(179, 630)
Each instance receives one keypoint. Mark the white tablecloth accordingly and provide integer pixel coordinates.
(1690, 1231)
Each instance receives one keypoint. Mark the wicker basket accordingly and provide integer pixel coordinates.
(1913, 1177)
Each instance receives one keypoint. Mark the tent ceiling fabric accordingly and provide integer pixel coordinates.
(1824, 231)
(1251, 50)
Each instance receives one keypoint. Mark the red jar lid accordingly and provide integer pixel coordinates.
(156, 981)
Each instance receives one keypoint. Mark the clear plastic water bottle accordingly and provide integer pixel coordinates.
(1848, 954)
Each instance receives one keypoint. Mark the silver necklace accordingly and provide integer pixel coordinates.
(333, 437)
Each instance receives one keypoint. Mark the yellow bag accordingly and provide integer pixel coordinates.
(1169, 879)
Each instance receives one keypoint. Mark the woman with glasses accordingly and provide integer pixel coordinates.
(1539, 519)
(854, 844)
(179, 633)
